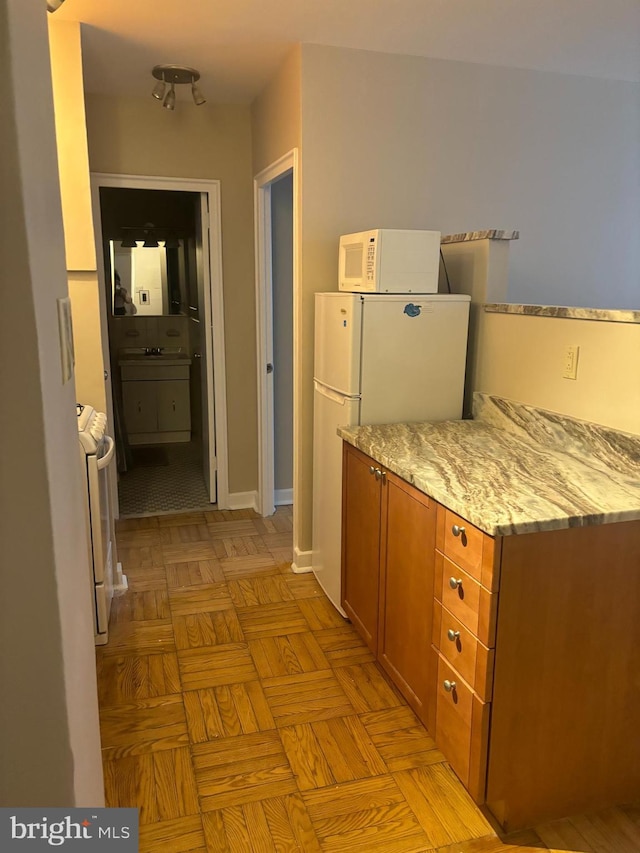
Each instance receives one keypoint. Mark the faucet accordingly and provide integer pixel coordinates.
(153, 350)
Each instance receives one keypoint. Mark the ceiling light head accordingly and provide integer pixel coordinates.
(198, 98)
(169, 102)
(52, 5)
(159, 90)
(176, 75)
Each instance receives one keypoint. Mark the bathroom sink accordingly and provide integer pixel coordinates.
(169, 355)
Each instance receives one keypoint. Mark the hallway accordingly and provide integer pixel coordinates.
(240, 712)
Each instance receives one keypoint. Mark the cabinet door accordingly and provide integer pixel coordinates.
(140, 409)
(361, 506)
(406, 595)
(173, 405)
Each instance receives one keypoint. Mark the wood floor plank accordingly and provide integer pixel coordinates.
(525, 842)
(231, 529)
(141, 606)
(320, 613)
(177, 534)
(234, 771)
(129, 782)
(201, 599)
(175, 784)
(306, 698)
(242, 567)
(303, 586)
(188, 551)
(142, 638)
(252, 591)
(366, 687)
(272, 620)
(287, 737)
(211, 666)
(184, 835)
(122, 678)
(216, 628)
(372, 793)
(343, 646)
(146, 725)
(141, 579)
(400, 738)
(194, 573)
(444, 809)
(287, 655)
(181, 518)
(227, 711)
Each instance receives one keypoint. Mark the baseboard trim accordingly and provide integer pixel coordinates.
(283, 497)
(301, 561)
(243, 500)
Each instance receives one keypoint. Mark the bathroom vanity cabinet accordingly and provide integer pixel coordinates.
(156, 401)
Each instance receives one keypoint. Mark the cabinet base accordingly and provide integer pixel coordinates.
(159, 437)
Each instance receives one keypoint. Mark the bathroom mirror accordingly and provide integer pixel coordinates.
(148, 281)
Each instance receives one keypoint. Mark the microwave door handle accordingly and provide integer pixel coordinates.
(103, 461)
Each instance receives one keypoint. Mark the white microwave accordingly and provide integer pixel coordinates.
(386, 260)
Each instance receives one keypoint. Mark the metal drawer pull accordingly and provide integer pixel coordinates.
(449, 686)
(454, 583)
(453, 635)
(372, 470)
(457, 530)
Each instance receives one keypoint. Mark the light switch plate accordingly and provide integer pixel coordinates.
(570, 368)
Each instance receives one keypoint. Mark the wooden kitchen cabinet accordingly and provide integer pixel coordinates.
(528, 677)
(388, 574)
(361, 510)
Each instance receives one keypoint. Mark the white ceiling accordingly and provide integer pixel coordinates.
(238, 44)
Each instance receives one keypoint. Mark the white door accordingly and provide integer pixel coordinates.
(205, 352)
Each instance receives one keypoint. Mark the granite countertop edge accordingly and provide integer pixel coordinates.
(496, 503)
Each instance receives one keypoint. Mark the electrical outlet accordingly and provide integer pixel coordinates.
(570, 362)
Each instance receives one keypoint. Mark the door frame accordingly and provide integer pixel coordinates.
(213, 308)
(262, 183)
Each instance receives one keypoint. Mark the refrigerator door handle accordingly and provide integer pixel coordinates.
(335, 396)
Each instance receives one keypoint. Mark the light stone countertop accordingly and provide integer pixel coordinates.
(513, 469)
(611, 315)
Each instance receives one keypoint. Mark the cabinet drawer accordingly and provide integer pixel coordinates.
(469, 602)
(468, 547)
(464, 652)
(153, 372)
(462, 729)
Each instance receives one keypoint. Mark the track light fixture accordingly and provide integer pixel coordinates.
(175, 74)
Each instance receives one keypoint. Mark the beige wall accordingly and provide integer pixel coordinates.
(137, 137)
(87, 339)
(49, 733)
(521, 358)
(275, 115)
(71, 135)
(77, 216)
(411, 142)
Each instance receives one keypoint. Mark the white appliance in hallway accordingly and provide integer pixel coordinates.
(97, 452)
(378, 359)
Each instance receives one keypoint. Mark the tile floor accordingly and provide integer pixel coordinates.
(166, 478)
(240, 712)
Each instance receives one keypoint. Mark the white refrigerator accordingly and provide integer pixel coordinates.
(379, 358)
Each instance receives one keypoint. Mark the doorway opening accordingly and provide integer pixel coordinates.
(163, 341)
(277, 304)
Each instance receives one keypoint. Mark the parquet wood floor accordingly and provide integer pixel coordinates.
(241, 713)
